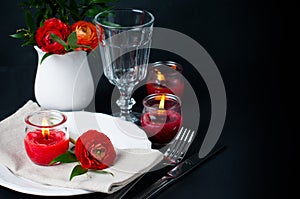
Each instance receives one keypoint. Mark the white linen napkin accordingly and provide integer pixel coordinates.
(129, 164)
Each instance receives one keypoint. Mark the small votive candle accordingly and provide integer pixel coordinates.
(161, 118)
(165, 77)
(46, 136)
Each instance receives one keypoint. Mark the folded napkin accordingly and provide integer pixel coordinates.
(129, 164)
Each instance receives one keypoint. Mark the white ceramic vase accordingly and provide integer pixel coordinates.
(64, 82)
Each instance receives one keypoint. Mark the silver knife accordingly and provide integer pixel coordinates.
(174, 174)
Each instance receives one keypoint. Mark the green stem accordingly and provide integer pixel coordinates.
(72, 140)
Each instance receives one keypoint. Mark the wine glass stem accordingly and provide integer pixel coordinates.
(125, 102)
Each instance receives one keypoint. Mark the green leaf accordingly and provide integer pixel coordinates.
(62, 3)
(92, 12)
(19, 35)
(74, 10)
(45, 56)
(62, 10)
(77, 170)
(104, 172)
(30, 42)
(67, 157)
(58, 40)
(84, 46)
(29, 21)
(72, 40)
(40, 18)
(48, 13)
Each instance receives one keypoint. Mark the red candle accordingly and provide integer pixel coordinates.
(161, 128)
(165, 77)
(175, 88)
(161, 118)
(46, 136)
(43, 149)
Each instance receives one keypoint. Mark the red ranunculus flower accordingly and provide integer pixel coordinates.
(94, 150)
(43, 37)
(86, 34)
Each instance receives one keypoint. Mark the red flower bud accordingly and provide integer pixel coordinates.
(86, 34)
(94, 150)
(43, 37)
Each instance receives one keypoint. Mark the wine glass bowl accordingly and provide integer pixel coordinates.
(125, 39)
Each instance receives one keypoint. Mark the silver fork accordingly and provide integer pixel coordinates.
(180, 145)
(173, 155)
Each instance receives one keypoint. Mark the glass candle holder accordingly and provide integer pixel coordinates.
(165, 77)
(46, 136)
(161, 118)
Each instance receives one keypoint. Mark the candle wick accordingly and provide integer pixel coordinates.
(46, 136)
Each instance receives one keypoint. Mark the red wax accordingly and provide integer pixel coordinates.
(42, 150)
(161, 126)
(176, 89)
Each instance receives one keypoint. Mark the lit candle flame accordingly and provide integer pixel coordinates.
(162, 102)
(174, 67)
(45, 131)
(160, 76)
(162, 105)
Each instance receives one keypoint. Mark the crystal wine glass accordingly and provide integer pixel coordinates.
(125, 39)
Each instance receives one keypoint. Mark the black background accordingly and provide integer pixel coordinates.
(247, 39)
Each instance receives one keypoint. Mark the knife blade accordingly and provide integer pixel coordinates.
(174, 174)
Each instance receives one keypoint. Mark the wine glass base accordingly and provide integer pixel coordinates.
(132, 117)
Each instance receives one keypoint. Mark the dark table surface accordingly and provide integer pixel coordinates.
(246, 39)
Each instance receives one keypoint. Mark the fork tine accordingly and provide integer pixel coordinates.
(177, 150)
(185, 146)
(177, 154)
(173, 146)
(178, 145)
